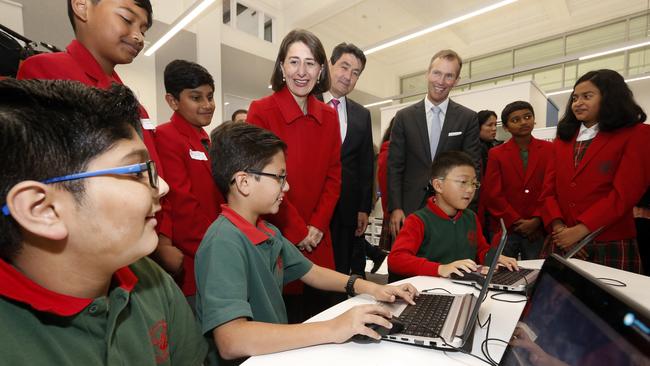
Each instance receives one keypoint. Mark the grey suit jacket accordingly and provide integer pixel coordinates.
(409, 155)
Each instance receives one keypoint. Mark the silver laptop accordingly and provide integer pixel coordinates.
(517, 281)
(441, 321)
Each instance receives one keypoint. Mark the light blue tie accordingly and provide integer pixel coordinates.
(434, 130)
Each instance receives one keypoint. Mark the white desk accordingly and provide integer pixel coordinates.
(504, 319)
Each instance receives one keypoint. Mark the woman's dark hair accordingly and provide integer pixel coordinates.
(386, 136)
(617, 106)
(315, 46)
(484, 115)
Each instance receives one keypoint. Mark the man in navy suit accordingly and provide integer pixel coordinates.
(350, 217)
(423, 130)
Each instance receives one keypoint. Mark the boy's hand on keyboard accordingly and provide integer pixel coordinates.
(509, 262)
(390, 293)
(458, 267)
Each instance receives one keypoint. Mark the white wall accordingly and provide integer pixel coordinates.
(11, 15)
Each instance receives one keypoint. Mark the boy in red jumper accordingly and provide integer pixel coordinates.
(444, 237)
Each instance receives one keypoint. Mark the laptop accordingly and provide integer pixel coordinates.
(517, 281)
(440, 320)
(573, 318)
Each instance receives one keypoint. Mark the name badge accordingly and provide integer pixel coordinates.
(457, 133)
(198, 155)
(147, 124)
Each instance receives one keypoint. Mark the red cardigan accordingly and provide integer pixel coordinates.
(510, 192)
(313, 166)
(382, 176)
(605, 185)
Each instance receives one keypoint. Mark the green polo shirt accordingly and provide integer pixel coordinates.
(240, 270)
(144, 320)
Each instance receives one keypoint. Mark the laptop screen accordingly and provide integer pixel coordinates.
(572, 319)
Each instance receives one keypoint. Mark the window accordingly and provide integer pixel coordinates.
(248, 20)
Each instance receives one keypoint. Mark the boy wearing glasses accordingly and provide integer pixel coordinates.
(194, 200)
(514, 180)
(243, 261)
(79, 197)
(444, 237)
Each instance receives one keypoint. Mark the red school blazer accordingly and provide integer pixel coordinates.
(194, 198)
(510, 192)
(603, 188)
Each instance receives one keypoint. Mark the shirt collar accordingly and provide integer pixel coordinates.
(257, 234)
(187, 128)
(443, 106)
(585, 133)
(433, 206)
(291, 111)
(91, 67)
(327, 97)
(18, 287)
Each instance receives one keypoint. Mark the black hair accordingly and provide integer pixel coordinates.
(240, 146)
(235, 113)
(315, 47)
(513, 107)
(388, 131)
(343, 48)
(181, 75)
(50, 128)
(484, 115)
(144, 4)
(448, 160)
(617, 106)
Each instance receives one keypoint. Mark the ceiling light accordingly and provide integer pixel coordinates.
(637, 45)
(637, 79)
(226, 103)
(180, 23)
(378, 103)
(559, 92)
(436, 27)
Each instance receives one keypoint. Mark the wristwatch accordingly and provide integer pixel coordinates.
(349, 287)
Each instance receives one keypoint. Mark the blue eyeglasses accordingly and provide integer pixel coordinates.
(149, 167)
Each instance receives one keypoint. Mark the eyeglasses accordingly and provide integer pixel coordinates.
(464, 183)
(149, 167)
(281, 178)
(446, 77)
(516, 120)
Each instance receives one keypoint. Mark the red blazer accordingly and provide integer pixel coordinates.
(382, 176)
(77, 63)
(510, 192)
(195, 200)
(604, 187)
(313, 166)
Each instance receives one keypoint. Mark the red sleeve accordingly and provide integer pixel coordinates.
(403, 259)
(322, 214)
(44, 67)
(483, 247)
(382, 176)
(627, 188)
(495, 201)
(288, 219)
(549, 208)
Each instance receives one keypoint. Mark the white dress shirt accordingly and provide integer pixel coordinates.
(342, 111)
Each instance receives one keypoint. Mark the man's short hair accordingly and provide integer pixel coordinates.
(343, 48)
(513, 107)
(240, 146)
(181, 75)
(51, 128)
(448, 160)
(235, 113)
(144, 4)
(450, 55)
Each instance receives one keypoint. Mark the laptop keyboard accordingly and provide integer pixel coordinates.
(506, 277)
(427, 316)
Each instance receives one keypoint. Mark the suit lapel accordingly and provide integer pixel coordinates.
(345, 144)
(186, 130)
(599, 142)
(515, 157)
(421, 125)
(447, 125)
(533, 158)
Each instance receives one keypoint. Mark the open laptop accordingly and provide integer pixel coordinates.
(517, 281)
(441, 321)
(573, 318)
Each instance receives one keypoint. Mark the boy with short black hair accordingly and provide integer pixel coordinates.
(194, 200)
(108, 33)
(444, 237)
(243, 261)
(515, 176)
(79, 197)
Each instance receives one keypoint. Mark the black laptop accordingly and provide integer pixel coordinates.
(574, 319)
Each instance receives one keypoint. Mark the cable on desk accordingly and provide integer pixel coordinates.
(612, 282)
(495, 295)
(428, 290)
(488, 361)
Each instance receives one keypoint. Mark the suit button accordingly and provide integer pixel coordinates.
(526, 190)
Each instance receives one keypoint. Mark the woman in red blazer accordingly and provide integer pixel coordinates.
(595, 175)
(386, 240)
(310, 129)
